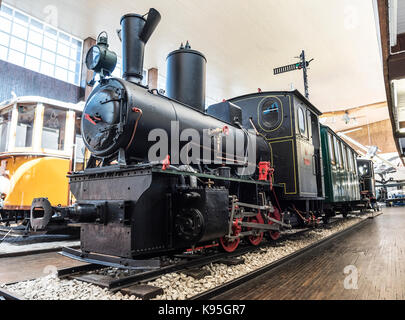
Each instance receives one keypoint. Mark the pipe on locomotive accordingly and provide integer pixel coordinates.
(135, 33)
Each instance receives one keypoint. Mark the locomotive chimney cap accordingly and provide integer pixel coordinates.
(186, 49)
(132, 15)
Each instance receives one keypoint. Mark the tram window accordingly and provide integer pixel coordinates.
(25, 126)
(301, 121)
(331, 149)
(5, 122)
(80, 146)
(53, 131)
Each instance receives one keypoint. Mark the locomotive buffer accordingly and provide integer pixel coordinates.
(303, 64)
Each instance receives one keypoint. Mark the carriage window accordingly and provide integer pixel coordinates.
(331, 149)
(338, 154)
(53, 132)
(25, 126)
(5, 122)
(301, 121)
(350, 160)
(345, 164)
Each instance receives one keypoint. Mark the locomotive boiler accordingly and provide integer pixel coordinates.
(163, 174)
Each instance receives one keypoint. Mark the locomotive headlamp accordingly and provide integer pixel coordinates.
(100, 59)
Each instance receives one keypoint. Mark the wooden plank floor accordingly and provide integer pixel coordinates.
(16, 269)
(376, 251)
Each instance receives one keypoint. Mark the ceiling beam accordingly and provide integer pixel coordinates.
(337, 113)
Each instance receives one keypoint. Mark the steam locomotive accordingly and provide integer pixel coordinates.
(166, 175)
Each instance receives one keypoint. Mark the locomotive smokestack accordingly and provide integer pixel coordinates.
(136, 32)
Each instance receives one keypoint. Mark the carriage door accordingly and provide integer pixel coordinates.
(313, 121)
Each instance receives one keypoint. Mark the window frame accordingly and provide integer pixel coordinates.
(34, 127)
(72, 68)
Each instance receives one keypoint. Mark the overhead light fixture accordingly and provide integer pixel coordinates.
(346, 118)
(353, 130)
(372, 152)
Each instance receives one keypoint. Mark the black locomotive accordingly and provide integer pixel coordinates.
(166, 175)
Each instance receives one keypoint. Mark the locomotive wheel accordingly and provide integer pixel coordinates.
(256, 240)
(275, 235)
(231, 245)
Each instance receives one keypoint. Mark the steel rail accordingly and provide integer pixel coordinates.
(32, 252)
(6, 295)
(272, 267)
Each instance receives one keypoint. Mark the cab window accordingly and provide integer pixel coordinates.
(53, 131)
(25, 126)
(271, 114)
(301, 121)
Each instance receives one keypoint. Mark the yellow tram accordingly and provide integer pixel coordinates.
(40, 142)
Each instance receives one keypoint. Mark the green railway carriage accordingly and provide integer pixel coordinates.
(342, 191)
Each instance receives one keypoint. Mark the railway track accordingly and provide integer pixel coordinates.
(135, 284)
(188, 264)
(138, 282)
(274, 266)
